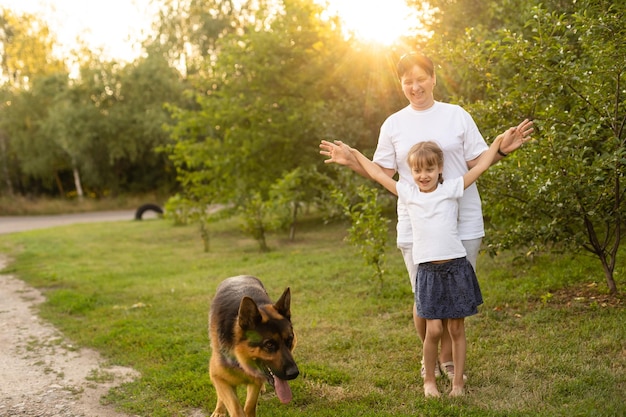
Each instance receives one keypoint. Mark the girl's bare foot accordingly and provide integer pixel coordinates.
(430, 390)
(457, 392)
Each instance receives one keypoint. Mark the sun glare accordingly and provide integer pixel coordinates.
(380, 21)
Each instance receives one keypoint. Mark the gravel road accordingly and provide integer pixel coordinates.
(12, 224)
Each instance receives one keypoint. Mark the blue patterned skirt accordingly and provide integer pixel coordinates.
(447, 290)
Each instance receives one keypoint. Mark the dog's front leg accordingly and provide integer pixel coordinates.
(252, 397)
(220, 409)
(226, 397)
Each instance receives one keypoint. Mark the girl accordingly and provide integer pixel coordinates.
(446, 288)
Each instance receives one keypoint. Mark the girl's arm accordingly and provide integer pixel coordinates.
(484, 161)
(342, 155)
(374, 171)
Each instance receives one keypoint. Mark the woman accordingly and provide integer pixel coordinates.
(454, 130)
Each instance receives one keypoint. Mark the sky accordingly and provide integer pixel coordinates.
(103, 24)
(109, 24)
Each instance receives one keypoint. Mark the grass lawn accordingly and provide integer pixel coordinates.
(548, 341)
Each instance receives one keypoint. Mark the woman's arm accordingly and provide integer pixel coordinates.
(514, 138)
(520, 136)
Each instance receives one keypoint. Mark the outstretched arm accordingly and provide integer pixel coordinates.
(339, 153)
(521, 135)
(514, 138)
(485, 160)
(371, 169)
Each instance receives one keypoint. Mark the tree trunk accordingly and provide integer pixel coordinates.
(204, 233)
(59, 183)
(294, 217)
(607, 258)
(610, 279)
(5, 164)
(263, 243)
(77, 184)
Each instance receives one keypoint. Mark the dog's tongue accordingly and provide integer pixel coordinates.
(283, 392)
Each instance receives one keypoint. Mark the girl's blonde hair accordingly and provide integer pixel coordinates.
(426, 154)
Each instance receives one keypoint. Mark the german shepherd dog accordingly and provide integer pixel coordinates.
(251, 343)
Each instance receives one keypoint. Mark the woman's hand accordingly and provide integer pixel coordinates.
(515, 137)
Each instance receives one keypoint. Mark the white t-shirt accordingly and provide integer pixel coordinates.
(458, 136)
(434, 220)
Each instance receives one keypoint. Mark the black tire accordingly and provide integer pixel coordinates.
(147, 207)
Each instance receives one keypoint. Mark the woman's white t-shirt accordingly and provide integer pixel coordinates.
(455, 131)
(434, 220)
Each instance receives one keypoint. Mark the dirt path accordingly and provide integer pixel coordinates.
(41, 373)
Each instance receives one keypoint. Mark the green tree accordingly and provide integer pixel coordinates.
(296, 190)
(359, 89)
(473, 24)
(135, 124)
(271, 91)
(26, 47)
(33, 139)
(187, 31)
(567, 71)
(95, 93)
(369, 228)
(261, 116)
(68, 125)
(101, 127)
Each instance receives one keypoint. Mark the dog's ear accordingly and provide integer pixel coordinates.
(283, 305)
(249, 314)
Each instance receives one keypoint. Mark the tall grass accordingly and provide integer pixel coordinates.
(139, 292)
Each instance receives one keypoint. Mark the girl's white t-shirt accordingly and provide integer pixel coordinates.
(434, 220)
(455, 131)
